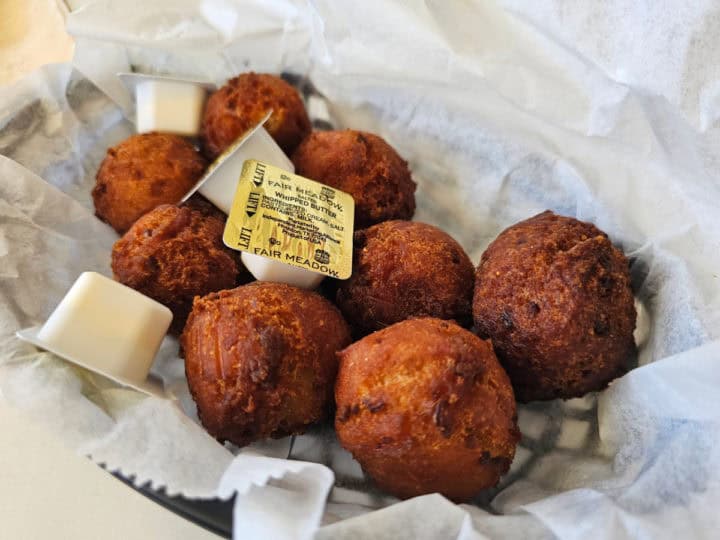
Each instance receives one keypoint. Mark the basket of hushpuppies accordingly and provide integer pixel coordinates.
(420, 356)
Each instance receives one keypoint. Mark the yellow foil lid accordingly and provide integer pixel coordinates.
(291, 219)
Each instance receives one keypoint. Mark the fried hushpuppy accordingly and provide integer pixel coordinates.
(143, 172)
(554, 296)
(241, 104)
(424, 406)
(363, 165)
(261, 360)
(174, 253)
(404, 269)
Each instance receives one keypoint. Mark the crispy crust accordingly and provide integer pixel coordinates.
(424, 406)
(405, 269)
(363, 165)
(241, 104)
(142, 172)
(554, 296)
(174, 253)
(260, 360)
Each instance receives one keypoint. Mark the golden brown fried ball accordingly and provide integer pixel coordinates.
(243, 102)
(260, 360)
(143, 172)
(424, 406)
(363, 165)
(554, 296)
(174, 253)
(405, 269)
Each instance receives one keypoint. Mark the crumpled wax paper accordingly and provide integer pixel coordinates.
(607, 113)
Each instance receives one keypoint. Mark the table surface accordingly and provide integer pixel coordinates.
(46, 491)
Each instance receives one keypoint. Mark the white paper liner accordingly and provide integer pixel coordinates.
(500, 118)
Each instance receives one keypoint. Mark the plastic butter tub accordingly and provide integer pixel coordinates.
(219, 185)
(289, 228)
(107, 328)
(266, 269)
(220, 181)
(167, 104)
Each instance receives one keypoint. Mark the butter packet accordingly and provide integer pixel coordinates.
(291, 219)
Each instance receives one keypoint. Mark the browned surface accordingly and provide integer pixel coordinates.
(363, 165)
(554, 296)
(242, 103)
(173, 253)
(143, 172)
(424, 406)
(404, 269)
(260, 360)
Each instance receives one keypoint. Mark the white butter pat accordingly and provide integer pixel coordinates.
(169, 106)
(222, 180)
(265, 269)
(108, 328)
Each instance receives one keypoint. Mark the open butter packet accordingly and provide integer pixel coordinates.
(290, 228)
